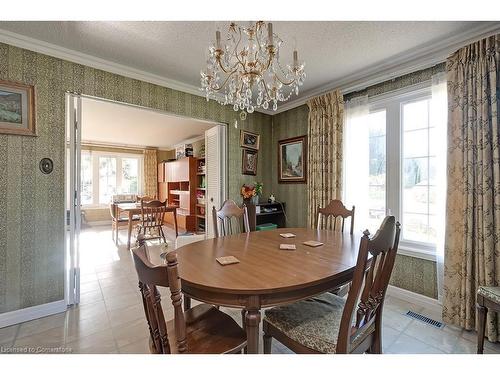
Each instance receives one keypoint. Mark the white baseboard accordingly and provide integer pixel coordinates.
(23, 315)
(415, 298)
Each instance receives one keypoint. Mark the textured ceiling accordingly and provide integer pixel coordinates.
(176, 50)
(111, 123)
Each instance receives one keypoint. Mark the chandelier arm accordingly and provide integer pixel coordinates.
(225, 81)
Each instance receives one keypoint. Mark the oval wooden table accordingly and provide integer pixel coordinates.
(266, 276)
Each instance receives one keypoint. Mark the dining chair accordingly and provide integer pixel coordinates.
(202, 329)
(226, 215)
(145, 198)
(152, 217)
(331, 324)
(336, 209)
(117, 221)
(488, 298)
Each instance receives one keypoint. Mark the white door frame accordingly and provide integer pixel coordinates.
(72, 201)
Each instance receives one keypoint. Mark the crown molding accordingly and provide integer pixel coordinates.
(407, 62)
(63, 53)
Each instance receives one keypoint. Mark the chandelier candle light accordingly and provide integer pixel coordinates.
(248, 65)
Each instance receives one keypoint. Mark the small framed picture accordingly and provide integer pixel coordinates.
(17, 108)
(249, 162)
(249, 140)
(292, 160)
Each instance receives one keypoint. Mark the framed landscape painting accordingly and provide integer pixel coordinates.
(292, 160)
(249, 140)
(17, 108)
(249, 162)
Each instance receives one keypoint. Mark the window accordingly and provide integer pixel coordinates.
(105, 174)
(393, 164)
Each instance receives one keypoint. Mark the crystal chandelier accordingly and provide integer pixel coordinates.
(246, 66)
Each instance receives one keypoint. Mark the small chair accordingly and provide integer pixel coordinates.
(152, 216)
(227, 212)
(336, 209)
(144, 198)
(117, 221)
(331, 324)
(488, 297)
(200, 330)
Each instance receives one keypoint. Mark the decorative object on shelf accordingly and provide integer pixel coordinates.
(292, 160)
(272, 198)
(203, 183)
(249, 162)
(249, 140)
(251, 193)
(184, 151)
(17, 108)
(201, 167)
(249, 61)
(46, 165)
(201, 152)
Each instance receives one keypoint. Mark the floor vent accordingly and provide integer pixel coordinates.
(425, 319)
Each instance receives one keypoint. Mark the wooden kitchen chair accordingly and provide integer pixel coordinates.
(152, 216)
(336, 209)
(117, 222)
(488, 298)
(200, 330)
(226, 215)
(330, 324)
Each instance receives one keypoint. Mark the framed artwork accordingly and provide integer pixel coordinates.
(292, 160)
(249, 140)
(249, 162)
(17, 108)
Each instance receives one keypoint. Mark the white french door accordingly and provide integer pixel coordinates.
(73, 211)
(215, 158)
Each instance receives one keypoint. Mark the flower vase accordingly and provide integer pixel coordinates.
(255, 200)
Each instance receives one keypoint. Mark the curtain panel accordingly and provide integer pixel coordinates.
(324, 170)
(150, 173)
(472, 248)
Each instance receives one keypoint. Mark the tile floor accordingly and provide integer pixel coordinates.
(110, 317)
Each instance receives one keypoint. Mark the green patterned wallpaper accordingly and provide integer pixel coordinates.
(32, 204)
(292, 123)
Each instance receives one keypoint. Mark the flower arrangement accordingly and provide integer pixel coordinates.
(250, 191)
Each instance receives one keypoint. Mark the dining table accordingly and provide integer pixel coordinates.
(265, 275)
(131, 209)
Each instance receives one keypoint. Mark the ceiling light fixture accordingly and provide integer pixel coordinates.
(247, 65)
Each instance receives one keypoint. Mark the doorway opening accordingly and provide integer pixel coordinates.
(117, 154)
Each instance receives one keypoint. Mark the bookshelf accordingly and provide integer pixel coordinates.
(200, 195)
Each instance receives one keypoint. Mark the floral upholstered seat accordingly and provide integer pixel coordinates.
(490, 292)
(314, 323)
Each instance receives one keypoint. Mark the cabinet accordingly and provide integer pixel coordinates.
(179, 188)
(263, 213)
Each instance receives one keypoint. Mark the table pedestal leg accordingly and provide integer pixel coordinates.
(129, 229)
(252, 322)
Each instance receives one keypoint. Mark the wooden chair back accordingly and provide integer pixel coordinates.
(369, 284)
(144, 198)
(150, 277)
(226, 216)
(152, 213)
(113, 211)
(335, 209)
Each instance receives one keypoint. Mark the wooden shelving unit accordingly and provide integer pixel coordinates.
(200, 195)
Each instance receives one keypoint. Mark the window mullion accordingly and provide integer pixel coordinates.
(393, 152)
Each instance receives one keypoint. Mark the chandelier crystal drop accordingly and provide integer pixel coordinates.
(245, 71)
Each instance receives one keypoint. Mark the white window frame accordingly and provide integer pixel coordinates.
(95, 173)
(393, 103)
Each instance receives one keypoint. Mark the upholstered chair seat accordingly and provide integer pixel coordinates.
(490, 292)
(314, 323)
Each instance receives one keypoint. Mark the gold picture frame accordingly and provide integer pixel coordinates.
(17, 108)
(292, 160)
(249, 140)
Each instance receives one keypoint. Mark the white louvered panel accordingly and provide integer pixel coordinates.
(213, 175)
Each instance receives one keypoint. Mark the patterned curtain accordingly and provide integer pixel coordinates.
(324, 170)
(472, 248)
(150, 173)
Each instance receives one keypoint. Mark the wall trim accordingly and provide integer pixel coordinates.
(34, 312)
(415, 59)
(418, 58)
(415, 298)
